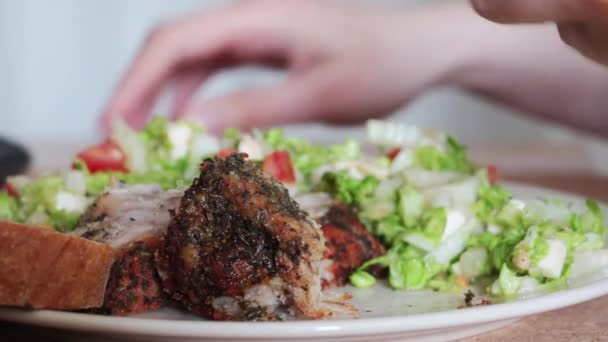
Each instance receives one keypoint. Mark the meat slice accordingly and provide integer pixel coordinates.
(239, 248)
(131, 219)
(134, 286)
(126, 213)
(348, 243)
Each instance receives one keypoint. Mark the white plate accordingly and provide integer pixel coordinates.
(385, 314)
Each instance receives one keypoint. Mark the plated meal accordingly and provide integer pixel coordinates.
(260, 226)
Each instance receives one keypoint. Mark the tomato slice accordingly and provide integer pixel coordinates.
(492, 174)
(279, 165)
(9, 189)
(106, 156)
(392, 154)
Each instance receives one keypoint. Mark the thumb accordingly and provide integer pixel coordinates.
(539, 10)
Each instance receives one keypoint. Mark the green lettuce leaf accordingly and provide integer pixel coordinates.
(307, 157)
(508, 281)
(411, 205)
(491, 199)
(349, 190)
(232, 137)
(63, 221)
(8, 208)
(389, 229)
(453, 159)
(591, 221)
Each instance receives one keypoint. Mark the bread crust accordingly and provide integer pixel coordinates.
(43, 269)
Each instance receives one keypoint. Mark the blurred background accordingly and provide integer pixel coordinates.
(60, 60)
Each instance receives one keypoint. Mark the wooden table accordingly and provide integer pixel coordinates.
(584, 322)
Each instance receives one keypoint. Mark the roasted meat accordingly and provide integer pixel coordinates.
(134, 286)
(239, 248)
(348, 244)
(126, 213)
(131, 219)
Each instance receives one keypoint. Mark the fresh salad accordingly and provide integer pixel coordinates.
(445, 222)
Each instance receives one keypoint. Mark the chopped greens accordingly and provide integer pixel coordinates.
(447, 230)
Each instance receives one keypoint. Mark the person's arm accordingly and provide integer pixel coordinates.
(528, 67)
(346, 63)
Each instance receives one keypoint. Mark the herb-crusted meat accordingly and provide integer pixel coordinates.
(238, 247)
(348, 244)
(131, 219)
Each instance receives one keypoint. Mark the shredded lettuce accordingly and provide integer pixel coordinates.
(8, 207)
(38, 203)
(97, 183)
(389, 229)
(507, 284)
(348, 189)
(62, 220)
(362, 279)
(411, 205)
(454, 158)
(232, 137)
(433, 223)
(491, 199)
(407, 267)
(591, 221)
(308, 157)
(473, 263)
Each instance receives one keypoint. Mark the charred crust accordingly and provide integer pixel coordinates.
(348, 244)
(134, 285)
(224, 236)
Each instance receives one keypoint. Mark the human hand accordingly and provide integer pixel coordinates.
(582, 24)
(344, 62)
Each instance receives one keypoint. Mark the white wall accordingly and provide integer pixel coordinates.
(60, 59)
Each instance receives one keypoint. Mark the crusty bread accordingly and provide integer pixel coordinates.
(43, 269)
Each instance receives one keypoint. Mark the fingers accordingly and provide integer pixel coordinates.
(259, 107)
(163, 52)
(326, 94)
(590, 40)
(185, 86)
(539, 10)
(198, 40)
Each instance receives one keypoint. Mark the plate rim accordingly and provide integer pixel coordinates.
(136, 326)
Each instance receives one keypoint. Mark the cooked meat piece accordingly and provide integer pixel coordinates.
(348, 245)
(126, 213)
(131, 219)
(134, 285)
(239, 248)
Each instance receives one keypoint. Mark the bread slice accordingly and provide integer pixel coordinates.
(43, 269)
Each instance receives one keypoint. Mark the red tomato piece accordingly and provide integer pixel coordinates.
(106, 156)
(492, 174)
(279, 165)
(392, 154)
(9, 189)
